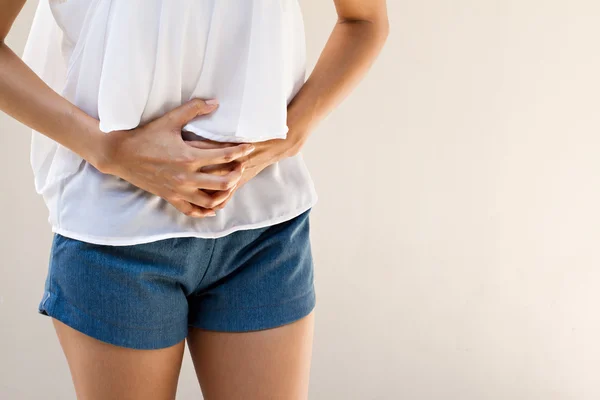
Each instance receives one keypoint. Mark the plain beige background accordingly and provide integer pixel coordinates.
(456, 234)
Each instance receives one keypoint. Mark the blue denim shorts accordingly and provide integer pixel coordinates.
(145, 296)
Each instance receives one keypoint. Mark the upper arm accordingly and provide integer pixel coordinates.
(362, 10)
(9, 9)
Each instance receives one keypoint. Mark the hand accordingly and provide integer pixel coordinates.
(265, 154)
(155, 158)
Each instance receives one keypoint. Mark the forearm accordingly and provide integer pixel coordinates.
(25, 97)
(348, 54)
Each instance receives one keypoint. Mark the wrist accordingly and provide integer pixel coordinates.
(101, 154)
(105, 157)
(301, 121)
(79, 133)
(102, 150)
(294, 142)
(85, 138)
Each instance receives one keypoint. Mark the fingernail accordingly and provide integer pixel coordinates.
(212, 102)
(251, 148)
(212, 214)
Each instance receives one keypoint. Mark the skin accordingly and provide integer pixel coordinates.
(268, 364)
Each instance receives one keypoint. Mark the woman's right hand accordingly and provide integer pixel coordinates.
(156, 158)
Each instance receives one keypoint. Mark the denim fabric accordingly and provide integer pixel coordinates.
(145, 296)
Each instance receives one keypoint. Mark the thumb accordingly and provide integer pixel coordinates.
(190, 110)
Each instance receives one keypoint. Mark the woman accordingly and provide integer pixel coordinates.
(170, 163)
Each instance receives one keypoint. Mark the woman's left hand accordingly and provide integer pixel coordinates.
(265, 154)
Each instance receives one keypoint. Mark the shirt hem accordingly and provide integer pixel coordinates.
(233, 138)
(130, 241)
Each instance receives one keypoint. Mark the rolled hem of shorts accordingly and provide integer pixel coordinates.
(254, 319)
(133, 338)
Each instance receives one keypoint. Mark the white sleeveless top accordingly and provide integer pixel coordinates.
(127, 62)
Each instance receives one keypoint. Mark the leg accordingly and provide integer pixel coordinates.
(259, 365)
(120, 314)
(104, 371)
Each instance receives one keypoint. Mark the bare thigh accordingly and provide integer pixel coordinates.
(267, 364)
(103, 371)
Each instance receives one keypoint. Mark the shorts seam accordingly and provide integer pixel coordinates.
(256, 318)
(51, 266)
(302, 296)
(102, 320)
(212, 253)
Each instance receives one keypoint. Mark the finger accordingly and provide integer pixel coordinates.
(231, 193)
(220, 169)
(230, 196)
(202, 180)
(204, 143)
(222, 156)
(191, 210)
(238, 167)
(189, 110)
(204, 200)
(226, 200)
(200, 198)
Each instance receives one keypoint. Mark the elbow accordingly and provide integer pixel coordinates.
(3, 35)
(382, 25)
(378, 28)
(383, 30)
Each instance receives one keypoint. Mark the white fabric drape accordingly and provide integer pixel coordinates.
(126, 62)
(125, 65)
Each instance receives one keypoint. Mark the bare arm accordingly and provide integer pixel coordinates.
(355, 42)
(25, 97)
(153, 157)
